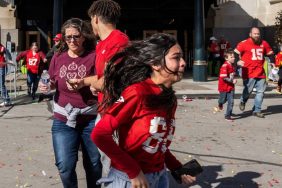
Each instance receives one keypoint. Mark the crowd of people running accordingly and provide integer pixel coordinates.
(114, 98)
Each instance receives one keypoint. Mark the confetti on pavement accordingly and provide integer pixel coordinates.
(43, 172)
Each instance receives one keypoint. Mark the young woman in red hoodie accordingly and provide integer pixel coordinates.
(139, 105)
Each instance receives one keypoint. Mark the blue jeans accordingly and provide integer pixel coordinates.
(249, 84)
(119, 179)
(32, 81)
(66, 141)
(229, 97)
(4, 92)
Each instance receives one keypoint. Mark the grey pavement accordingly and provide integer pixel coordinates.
(244, 153)
(210, 88)
(187, 87)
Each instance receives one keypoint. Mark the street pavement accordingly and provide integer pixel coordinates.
(244, 153)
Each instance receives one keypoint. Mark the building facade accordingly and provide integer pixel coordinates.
(233, 19)
(25, 21)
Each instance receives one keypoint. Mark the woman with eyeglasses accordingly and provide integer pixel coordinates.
(74, 110)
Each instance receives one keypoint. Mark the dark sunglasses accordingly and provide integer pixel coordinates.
(74, 37)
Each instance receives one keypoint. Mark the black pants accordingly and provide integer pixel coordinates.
(215, 62)
(32, 81)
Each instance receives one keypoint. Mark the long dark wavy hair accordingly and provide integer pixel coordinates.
(84, 29)
(135, 65)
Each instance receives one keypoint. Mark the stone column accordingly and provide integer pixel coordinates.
(200, 63)
(57, 16)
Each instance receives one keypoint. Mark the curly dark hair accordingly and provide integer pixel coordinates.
(134, 65)
(84, 29)
(107, 10)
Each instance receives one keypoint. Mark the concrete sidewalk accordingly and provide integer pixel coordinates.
(210, 88)
(245, 153)
(186, 86)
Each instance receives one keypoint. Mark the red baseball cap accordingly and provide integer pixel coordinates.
(58, 37)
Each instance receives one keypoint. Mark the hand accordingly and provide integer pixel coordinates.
(240, 63)
(44, 88)
(187, 179)
(74, 84)
(94, 91)
(234, 81)
(139, 181)
(45, 60)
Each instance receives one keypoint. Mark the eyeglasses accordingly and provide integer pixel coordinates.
(74, 37)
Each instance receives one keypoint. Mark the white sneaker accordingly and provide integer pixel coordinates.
(3, 104)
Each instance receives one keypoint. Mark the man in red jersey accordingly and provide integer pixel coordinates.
(104, 16)
(252, 52)
(111, 39)
(104, 27)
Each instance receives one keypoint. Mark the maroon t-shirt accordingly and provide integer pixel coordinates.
(63, 67)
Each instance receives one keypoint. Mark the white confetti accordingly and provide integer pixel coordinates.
(43, 172)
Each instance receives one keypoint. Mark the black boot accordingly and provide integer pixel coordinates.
(29, 91)
(278, 90)
(33, 96)
(40, 98)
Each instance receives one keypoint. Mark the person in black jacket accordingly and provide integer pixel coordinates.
(57, 44)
